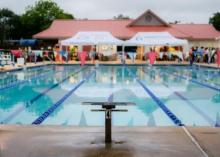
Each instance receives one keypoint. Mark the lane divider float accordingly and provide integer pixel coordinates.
(28, 104)
(171, 115)
(40, 119)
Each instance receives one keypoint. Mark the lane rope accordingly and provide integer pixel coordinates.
(204, 115)
(194, 81)
(189, 135)
(14, 84)
(172, 116)
(28, 104)
(40, 119)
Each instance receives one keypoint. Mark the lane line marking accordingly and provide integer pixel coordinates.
(29, 103)
(40, 119)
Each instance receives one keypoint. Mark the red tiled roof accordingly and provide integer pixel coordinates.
(198, 31)
(68, 28)
(61, 29)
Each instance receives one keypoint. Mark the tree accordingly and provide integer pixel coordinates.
(175, 22)
(9, 25)
(215, 20)
(41, 15)
(121, 17)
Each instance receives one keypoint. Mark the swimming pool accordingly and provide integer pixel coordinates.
(164, 95)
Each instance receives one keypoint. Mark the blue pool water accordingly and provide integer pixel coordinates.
(164, 95)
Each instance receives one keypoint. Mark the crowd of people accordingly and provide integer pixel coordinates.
(196, 54)
(171, 53)
(205, 55)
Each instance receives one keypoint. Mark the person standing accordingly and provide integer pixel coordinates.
(209, 55)
(201, 54)
(161, 53)
(191, 56)
(205, 55)
(92, 55)
(213, 55)
(195, 54)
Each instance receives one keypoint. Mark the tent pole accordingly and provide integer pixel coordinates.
(35, 58)
(66, 55)
(142, 52)
(13, 59)
(123, 54)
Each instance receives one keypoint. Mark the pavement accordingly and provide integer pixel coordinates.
(117, 62)
(72, 141)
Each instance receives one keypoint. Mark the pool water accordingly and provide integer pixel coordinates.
(164, 95)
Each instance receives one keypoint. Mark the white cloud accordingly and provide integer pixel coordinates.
(197, 11)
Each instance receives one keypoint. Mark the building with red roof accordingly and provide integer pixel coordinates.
(197, 34)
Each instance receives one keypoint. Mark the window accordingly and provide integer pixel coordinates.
(148, 18)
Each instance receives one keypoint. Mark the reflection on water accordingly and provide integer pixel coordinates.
(15, 77)
(216, 98)
(23, 93)
(113, 83)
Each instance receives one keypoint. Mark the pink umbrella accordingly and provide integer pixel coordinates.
(83, 55)
(218, 58)
(17, 53)
(152, 57)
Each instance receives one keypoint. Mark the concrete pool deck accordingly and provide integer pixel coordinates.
(128, 62)
(70, 141)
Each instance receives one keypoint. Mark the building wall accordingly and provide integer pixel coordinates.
(148, 20)
(204, 43)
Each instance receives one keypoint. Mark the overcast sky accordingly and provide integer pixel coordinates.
(186, 11)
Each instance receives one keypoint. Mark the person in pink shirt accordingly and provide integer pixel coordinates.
(218, 57)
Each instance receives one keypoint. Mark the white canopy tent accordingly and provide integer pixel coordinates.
(95, 38)
(155, 39)
(92, 38)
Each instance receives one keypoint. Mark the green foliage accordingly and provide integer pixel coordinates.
(121, 17)
(215, 20)
(6, 13)
(35, 19)
(41, 15)
(9, 25)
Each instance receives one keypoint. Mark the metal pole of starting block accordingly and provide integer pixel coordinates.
(108, 126)
(108, 108)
